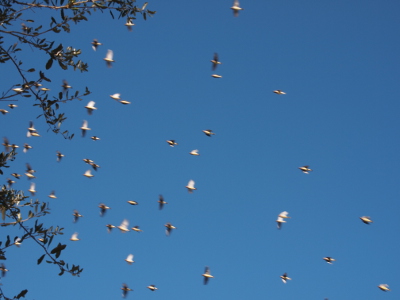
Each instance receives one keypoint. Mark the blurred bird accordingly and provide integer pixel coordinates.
(30, 175)
(384, 287)
(88, 174)
(32, 189)
(94, 166)
(88, 161)
(29, 169)
(109, 227)
(281, 218)
(236, 8)
(31, 130)
(284, 278)
(190, 186)
(129, 259)
(131, 202)
(17, 241)
(59, 156)
(18, 90)
(194, 152)
(137, 229)
(152, 287)
(172, 143)
(103, 209)
(76, 215)
(95, 138)
(279, 92)
(116, 96)
(161, 202)
(53, 195)
(74, 237)
(6, 144)
(305, 169)
(208, 132)
(125, 290)
(329, 260)
(10, 182)
(109, 58)
(366, 220)
(3, 270)
(207, 275)
(215, 62)
(129, 24)
(12, 106)
(16, 175)
(124, 102)
(65, 86)
(26, 147)
(44, 89)
(169, 227)
(84, 127)
(3, 111)
(95, 44)
(90, 107)
(216, 76)
(124, 226)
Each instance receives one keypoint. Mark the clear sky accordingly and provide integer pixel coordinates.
(338, 63)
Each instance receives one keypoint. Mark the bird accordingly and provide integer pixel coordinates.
(129, 259)
(279, 92)
(3, 270)
(384, 287)
(29, 169)
(216, 76)
(194, 152)
(284, 278)
(190, 186)
(88, 161)
(53, 195)
(90, 107)
(125, 289)
(131, 202)
(103, 209)
(10, 182)
(124, 102)
(129, 24)
(208, 132)
(366, 220)
(115, 96)
(137, 229)
(12, 106)
(236, 8)
(16, 175)
(76, 215)
(152, 287)
(59, 156)
(74, 237)
(32, 189)
(84, 127)
(305, 169)
(169, 227)
(109, 227)
(18, 90)
(281, 218)
(329, 260)
(3, 111)
(215, 62)
(95, 44)
(31, 130)
(172, 143)
(17, 241)
(207, 275)
(95, 138)
(161, 202)
(65, 86)
(124, 226)
(109, 58)
(30, 175)
(88, 174)
(94, 166)
(26, 147)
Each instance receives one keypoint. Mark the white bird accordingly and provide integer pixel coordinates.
(3, 111)
(194, 152)
(90, 107)
(281, 218)
(124, 102)
(116, 96)
(109, 58)
(190, 186)
(129, 259)
(279, 92)
(18, 90)
(152, 287)
(124, 226)
(236, 8)
(84, 127)
(366, 220)
(305, 169)
(284, 278)
(129, 24)
(17, 241)
(74, 237)
(216, 76)
(53, 195)
(207, 275)
(32, 189)
(88, 174)
(384, 287)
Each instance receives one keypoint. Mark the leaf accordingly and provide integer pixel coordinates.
(40, 259)
(49, 63)
(3, 213)
(22, 294)
(8, 241)
(31, 70)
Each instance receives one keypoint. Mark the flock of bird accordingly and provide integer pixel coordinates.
(124, 226)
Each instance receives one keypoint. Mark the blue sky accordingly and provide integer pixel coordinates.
(339, 66)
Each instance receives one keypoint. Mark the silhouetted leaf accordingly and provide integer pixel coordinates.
(49, 63)
(40, 259)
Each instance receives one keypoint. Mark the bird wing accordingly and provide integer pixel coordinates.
(191, 183)
(109, 55)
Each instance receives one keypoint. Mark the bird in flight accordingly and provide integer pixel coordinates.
(169, 227)
(125, 289)
(129, 259)
(279, 92)
(366, 220)
(59, 156)
(32, 189)
(76, 215)
(137, 229)
(329, 260)
(284, 278)
(53, 195)
(84, 128)
(90, 107)
(236, 8)
(208, 132)
(26, 147)
(152, 287)
(74, 237)
(172, 143)
(190, 186)
(216, 76)
(194, 152)
(103, 209)
(305, 169)
(281, 218)
(88, 174)
(95, 44)
(109, 58)
(161, 202)
(207, 275)
(124, 226)
(215, 62)
(129, 24)
(384, 287)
